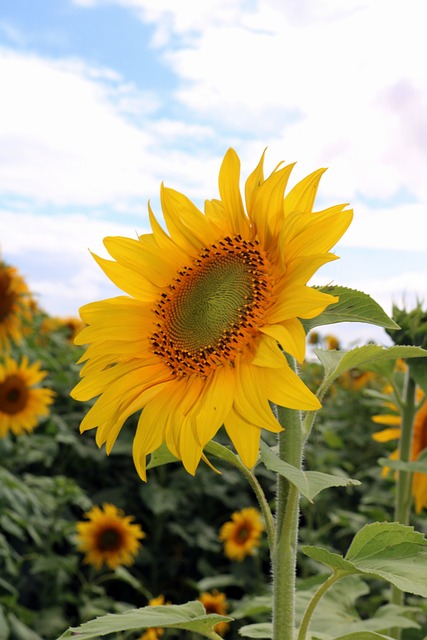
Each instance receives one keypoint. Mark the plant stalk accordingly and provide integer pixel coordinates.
(287, 514)
(403, 501)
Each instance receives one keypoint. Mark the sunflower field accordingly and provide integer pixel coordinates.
(95, 545)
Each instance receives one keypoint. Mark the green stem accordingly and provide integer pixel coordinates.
(285, 550)
(305, 622)
(262, 501)
(403, 501)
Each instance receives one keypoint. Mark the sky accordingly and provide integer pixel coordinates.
(102, 100)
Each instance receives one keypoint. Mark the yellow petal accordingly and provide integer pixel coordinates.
(301, 197)
(253, 183)
(286, 389)
(245, 438)
(299, 301)
(387, 419)
(290, 335)
(214, 404)
(386, 435)
(229, 190)
(251, 399)
(135, 284)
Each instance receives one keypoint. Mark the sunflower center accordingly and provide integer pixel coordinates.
(13, 395)
(242, 534)
(212, 310)
(110, 540)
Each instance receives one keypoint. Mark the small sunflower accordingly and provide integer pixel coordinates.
(198, 342)
(216, 602)
(356, 379)
(22, 403)
(109, 537)
(241, 535)
(153, 633)
(419, 443)
(14, 306)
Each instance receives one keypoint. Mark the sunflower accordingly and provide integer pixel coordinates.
(216, 602)
(198, 342)
(241, 535)
(153, 633)
(22, 403)
(14, 309)
(419, 443)
(109, 537)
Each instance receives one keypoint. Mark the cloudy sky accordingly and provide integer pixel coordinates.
(101, 100)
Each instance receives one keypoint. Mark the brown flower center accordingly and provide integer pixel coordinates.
(212, 309)
(110, 539)
(13, 395)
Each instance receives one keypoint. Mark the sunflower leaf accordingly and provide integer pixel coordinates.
(417, 466)
(337, 362)
(190, 616)
(353, 306)
(418, 369)
(257, 630)
(364, 635)
(161, 456)
(387, 550)
(308, 483)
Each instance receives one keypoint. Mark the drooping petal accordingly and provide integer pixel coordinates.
(286, 389)
(244, 436)
(290, 335)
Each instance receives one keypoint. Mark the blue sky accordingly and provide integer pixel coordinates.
(102, 100)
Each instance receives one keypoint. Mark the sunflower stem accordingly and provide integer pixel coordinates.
(287, 514)
(403, 501)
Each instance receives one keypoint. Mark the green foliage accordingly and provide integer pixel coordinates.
(387, 550)
(190, 616)
(353, 306)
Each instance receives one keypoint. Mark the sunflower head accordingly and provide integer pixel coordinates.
(212, 304)
(22, 401)
(108, 537)
(216, 602)
(241, 535)
(14, 306)
(412, 326)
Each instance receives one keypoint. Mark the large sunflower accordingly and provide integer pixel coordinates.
(196, 345)
(22, 403)
(14, 310)
(108, 537)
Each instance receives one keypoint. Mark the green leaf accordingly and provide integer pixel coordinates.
(364, 635)
(419, 466)
(333, 560)
(191, 617)
(418, 369)
(252, 606)
(308, 483)
(337, 362)
(353, 306)
(221, 452)
(161, 456)
(387, 550)
(258, 630)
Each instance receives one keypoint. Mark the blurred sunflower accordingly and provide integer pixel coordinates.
(241, 535)
(356, 379)
(14, 308)
(197, 343)
(153, 633)
(109, 537)
(216, 602)
(22, 403)
(419, 443)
